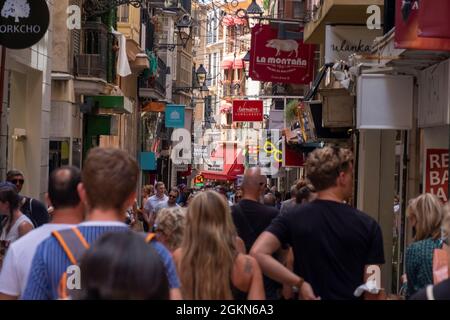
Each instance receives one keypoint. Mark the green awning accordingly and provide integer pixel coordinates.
(118, 104)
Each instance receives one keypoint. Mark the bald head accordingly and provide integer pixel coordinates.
(62, 187)
(253, 184)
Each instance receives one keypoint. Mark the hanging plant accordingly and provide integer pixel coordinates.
(291, 110)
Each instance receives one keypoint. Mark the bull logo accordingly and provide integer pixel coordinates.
(290, 46)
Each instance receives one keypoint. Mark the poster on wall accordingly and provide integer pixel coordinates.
(343, 41)
(436, 174)
(279, 60)
(407, 28)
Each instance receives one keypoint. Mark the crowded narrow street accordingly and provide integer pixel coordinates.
(259, 150)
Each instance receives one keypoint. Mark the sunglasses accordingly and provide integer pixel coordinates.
(16, 181)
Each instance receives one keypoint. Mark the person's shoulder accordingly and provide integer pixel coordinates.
(38, 204)
(160, 248)
(422, 245)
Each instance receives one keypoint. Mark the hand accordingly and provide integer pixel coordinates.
(287, 292)
(307, 293)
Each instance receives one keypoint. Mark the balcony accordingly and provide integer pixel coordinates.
(93, 61)
(155, 86)
(338, 12)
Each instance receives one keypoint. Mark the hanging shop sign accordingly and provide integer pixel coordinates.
(175, 116)
(343, 41)
(23, 22)
(292, 158)
(407, 28)
(248, 110)
(276, 119)
(433, 18)
(436, 180)
(279, 60)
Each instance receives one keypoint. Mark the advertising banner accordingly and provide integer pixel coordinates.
(433, 18)
(436, 179)
(407, 29)
(276, 119)
(248, 110)
(279, 60)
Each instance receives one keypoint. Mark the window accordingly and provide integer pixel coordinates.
(298, 9)
(215, 69)
(123, 13)
(185, 71)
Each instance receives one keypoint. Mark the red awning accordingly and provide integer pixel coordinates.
(240, 21)
(227, 64)
(228, 21)
(226, 107)
(238, 64)
(230, 171)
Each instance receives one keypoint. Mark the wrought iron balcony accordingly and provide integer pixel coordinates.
(93, 60)
(154, 86)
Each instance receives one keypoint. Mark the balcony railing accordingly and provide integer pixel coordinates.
(157, 83)
(93, 59)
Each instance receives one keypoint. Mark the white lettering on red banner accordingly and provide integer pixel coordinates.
(436, 180)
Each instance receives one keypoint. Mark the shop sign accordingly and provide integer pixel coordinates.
(23, 22)
(291, 157)
(175, 116)
(214, 166)
(343, 41)
(433, 18)
(436, 179)
(279, 60)
(276, 119)
(248, 110)
(407, 28)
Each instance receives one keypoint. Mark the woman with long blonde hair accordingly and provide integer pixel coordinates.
(209, 264)
(425, 217)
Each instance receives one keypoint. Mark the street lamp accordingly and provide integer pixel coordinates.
(201, 76)
(184, 26)
(254, 10)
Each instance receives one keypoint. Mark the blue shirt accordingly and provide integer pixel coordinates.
(50, 261)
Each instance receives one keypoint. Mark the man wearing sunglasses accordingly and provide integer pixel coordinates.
(32, 208)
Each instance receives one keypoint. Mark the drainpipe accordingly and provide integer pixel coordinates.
(2, 83)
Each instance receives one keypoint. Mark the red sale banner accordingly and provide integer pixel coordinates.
(436, 179)
(279, 60)
(433, 18)
(248, 110)
(407, 28)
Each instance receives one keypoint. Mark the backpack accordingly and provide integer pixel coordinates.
(75, 245)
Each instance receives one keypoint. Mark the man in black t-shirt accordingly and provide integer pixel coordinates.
(251, 217)
(333, 243)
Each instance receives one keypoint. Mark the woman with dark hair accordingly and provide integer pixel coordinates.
(16, 223)
(112, 270)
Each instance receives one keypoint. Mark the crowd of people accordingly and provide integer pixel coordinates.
(94, 238)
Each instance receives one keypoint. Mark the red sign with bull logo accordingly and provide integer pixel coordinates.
(279, 60)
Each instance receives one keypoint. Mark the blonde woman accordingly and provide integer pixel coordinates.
(440, 291)
(170, 224)
(209, 264)
(425, 217)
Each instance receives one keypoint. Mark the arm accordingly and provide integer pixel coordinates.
(262, 251)
(256, 289)
(240, 246)
(172, 276)
(374, 273)
(24, 228)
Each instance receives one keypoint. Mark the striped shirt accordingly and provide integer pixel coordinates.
(50, 261)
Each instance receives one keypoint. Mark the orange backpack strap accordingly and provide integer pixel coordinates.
(72, 242)
(149, 237)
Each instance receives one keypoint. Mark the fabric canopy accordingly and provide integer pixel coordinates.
(227, 64)
(230, 171)
(238, 64)
(226, 107)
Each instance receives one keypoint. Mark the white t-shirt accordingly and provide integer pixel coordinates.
(20, 254)
(154, 202)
